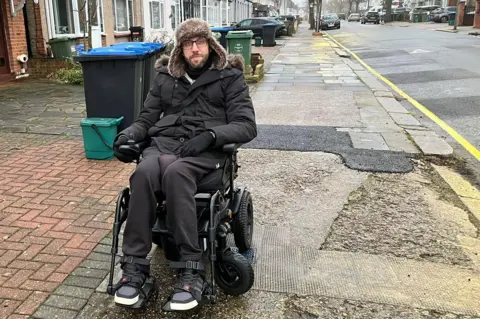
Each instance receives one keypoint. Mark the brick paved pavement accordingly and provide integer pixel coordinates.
(55, 207)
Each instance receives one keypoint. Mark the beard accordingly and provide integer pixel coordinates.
(197, 61)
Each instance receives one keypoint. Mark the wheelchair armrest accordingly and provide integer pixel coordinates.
(143, 145)
(231, 148)
(135, 148)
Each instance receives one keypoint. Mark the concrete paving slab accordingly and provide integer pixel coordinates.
(382, 93)
(319, 108)
(404, 119)
(311, 180)
(398, 141)
(419, 131)
(370, 141)
(368, 277)
(432, 145)
(391, 105)
(373, 83)
(366, 100)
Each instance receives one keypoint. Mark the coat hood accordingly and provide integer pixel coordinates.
(189, 29)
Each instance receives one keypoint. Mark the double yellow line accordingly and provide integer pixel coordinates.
(460, 139)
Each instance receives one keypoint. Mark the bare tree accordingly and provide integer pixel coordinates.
(87, 14)
(357, 3)
(277, 4)
(350, 4)
(387, 5)
(337, 6)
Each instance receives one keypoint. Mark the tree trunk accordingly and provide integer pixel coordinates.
(388, 11)
(476, 21)
(311, 15)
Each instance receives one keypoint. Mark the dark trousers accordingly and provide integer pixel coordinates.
(177, 178)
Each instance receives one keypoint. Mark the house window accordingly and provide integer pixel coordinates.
(157, 14)
(63, 17)
(69, 17)
(176, 10)
(83, 9)
(123, 14)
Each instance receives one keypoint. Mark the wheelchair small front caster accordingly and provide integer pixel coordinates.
(234, 273)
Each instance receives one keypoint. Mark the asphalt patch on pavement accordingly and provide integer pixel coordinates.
(329, 140)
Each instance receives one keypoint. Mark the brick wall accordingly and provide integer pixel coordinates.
(476, 21)
(17, 40)
(42, 67)
(37, 41)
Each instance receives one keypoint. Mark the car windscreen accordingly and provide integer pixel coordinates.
(330, 17)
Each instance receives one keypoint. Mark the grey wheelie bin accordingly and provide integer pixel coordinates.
(113, 82)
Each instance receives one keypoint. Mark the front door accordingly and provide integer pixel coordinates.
(4, 67)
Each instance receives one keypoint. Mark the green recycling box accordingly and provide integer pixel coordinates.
(98, 136)
(63, 47)
(240, 42)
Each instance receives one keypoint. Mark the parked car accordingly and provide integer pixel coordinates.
(342, 16)
(330, 20)
(256, 25)
(442, 14)
(354, 17)
(371, 16)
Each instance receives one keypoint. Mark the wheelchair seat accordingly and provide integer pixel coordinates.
(217, 180)
(213, 181)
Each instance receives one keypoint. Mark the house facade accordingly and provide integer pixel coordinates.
(26, 26)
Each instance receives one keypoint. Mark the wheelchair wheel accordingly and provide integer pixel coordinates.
(234, 274)
(243, 223)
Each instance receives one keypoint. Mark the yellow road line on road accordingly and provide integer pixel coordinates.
(460, 139)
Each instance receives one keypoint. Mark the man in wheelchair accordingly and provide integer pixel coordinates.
(198, 103)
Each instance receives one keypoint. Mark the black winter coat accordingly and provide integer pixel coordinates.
(175, 110)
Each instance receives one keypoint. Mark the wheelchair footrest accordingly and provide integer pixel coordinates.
(150, 290)
(207, 298)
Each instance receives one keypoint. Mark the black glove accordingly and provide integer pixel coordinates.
(198, 144)
(123, 155)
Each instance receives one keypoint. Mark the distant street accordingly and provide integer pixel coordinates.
(440, 70)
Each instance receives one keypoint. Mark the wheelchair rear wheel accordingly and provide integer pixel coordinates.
(243, 223)
(234, 274)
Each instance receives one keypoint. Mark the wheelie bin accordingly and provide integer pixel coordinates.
(113, 82)
(154, 51)
(240, 42)
(223, 34)
(451, 18)
(62, 47)
(269, 33)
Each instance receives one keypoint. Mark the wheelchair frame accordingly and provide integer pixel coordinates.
(223, 207)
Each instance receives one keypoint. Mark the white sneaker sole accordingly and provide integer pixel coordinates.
(183, 306)
(125, 301)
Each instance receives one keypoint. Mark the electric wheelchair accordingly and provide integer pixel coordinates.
(223, 210)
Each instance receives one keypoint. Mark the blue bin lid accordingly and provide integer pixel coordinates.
(153, 46)
(99, 121)
(116, 51)
(219, 29)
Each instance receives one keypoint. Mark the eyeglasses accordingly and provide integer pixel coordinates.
(201, 43)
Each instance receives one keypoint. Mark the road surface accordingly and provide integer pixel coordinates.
(440, 70)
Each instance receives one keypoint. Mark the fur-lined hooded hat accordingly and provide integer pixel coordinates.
(189, 29)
